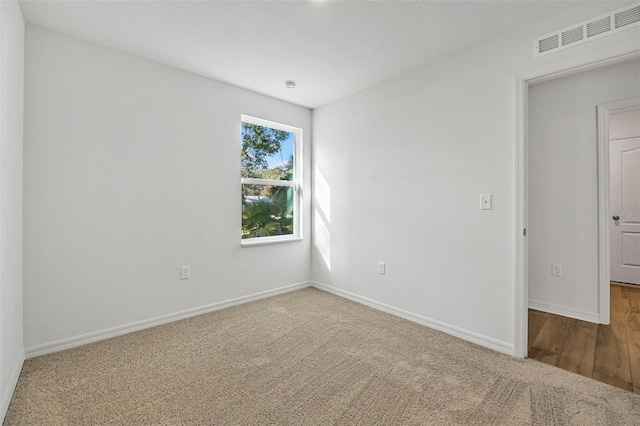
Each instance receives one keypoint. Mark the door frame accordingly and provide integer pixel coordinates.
(604, 198)
(521, 181)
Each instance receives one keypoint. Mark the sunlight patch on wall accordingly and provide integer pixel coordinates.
(322, 238)
(322, 216)
(322, 194)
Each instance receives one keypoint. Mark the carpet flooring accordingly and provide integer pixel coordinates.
(305, 358)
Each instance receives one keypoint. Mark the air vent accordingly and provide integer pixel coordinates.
(572, 36)
(548, 43)
(627, 17)
(600, 26)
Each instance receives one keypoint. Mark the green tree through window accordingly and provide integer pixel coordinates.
(268, 181)
(259, 143)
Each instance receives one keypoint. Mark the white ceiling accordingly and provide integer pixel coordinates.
(330, 48)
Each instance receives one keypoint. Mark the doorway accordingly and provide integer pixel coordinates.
(565, 221)
(621, 126)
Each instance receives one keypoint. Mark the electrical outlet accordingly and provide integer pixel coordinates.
(185, 272)
(556, 269)
(486, 202)
(381, 268)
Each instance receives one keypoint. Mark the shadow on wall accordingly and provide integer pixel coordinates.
(322, 217)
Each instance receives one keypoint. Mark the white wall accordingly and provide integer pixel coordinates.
(563, 186)
(401, 167)
(11, 114)
(132, 169)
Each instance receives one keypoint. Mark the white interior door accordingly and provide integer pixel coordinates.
(625, 201)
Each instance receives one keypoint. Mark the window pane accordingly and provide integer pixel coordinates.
(267, 210)
(266, 153)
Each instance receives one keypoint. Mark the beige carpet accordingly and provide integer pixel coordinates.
(305, 358)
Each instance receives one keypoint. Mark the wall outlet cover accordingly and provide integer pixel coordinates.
(185, 272)
(486, 202)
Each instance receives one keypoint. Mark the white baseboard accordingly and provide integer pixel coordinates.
(565, 311)
(72, 342)
(13, 381)
(470, 336)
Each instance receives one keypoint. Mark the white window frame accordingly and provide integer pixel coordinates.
(296, 183)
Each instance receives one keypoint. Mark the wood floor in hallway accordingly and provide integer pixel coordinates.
(607, 353)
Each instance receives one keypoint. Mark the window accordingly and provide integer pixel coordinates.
(270, 178)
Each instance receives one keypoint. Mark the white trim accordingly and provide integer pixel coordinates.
(272, 182)
(565, 311)
(13, 381)
(604, 199)
(268, 123)
(72, 342)
(548, 73)
(3, 412)
(521, 223)
(470, 336)
(296, 183)
(248, 242)
(622, 51)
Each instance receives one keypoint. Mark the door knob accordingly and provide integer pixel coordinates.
(616, 217)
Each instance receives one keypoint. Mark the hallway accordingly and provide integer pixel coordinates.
(607, 353)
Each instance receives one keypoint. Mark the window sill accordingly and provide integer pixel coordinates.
(269, 240)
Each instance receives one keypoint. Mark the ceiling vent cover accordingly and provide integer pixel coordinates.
(627, 17)
(600, 26)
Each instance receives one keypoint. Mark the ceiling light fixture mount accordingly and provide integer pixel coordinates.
(290, 84)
